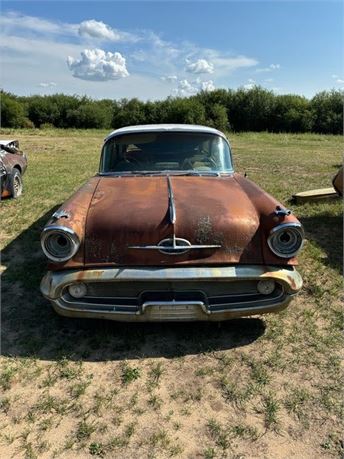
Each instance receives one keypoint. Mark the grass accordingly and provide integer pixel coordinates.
(76, 389)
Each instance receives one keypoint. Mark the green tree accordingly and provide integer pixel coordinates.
(12, 111)
(291, 113)
(327, 112)
(129, 113)
(41, 110)
(251, 109)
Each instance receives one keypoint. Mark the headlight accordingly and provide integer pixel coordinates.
(77, 290)
(286, 240)
(266, 287)
(59, 243)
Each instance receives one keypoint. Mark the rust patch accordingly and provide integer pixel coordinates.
(205, 233)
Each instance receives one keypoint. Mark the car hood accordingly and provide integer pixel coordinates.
(135, 211)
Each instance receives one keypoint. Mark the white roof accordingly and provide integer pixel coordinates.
(164, 128)
(6, 142)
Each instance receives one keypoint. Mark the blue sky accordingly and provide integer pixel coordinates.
(155, 49)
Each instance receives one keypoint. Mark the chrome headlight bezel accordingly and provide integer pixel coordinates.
(70, 236)
(295, 230)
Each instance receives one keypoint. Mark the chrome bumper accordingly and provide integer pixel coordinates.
(179, 307)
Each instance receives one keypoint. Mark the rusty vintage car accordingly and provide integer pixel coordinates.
(168, 231)
(13, 163)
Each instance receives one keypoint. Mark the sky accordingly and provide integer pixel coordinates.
(152, 50)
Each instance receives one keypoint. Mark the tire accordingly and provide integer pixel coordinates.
(16, 183)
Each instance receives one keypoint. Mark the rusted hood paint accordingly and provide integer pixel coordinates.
(229, 211)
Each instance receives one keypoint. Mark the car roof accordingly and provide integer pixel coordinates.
(165, 128)
(7, 142)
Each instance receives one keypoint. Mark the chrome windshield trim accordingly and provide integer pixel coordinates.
(191, 173)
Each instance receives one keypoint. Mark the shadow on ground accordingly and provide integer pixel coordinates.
(326, 230)
(30, 328)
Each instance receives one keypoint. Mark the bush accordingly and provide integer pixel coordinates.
(42, 110)
(291, 113)
(12, 112)
(89, 115)
(28, 124)
(327, 112)
(46, 126)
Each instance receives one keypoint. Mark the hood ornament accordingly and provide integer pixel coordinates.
(174, 246)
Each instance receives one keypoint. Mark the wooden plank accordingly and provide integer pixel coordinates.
(313, 195)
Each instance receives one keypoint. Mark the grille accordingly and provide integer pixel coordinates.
(179, 299)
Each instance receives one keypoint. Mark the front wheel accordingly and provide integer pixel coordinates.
(16, 183)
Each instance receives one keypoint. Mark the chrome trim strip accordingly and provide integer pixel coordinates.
(171, 204)
(132, 317)
(175, 248)
(131, 309)
(232, 294)
(258, 302)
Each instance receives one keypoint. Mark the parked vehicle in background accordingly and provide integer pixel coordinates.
(13, 164)
(168, 231)
(338, 181)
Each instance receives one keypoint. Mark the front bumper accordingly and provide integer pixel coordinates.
(171, 294)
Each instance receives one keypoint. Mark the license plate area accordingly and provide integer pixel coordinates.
(174, 310)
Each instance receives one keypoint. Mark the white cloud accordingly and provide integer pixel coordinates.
(97, 29)
(269, 80)
(185, 88)
(90, 29)
(189, 88)
(37, 49)
(334, 76)
(339, 81)
(13, 20)
(249, 86)
(50, 84)
(269, 69)
(98, 65)
(251, 80)
(170, 78)
(199, 66)
(101, 31)
(208, 86)
(225, 65)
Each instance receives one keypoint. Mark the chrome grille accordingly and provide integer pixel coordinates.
(169, 300)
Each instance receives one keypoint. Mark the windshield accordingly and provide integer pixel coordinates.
(166, 152)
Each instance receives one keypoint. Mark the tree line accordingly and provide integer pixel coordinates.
(256, 109)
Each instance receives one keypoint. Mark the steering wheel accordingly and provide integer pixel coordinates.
(133, 160)
(210, 161)
(189, 164)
